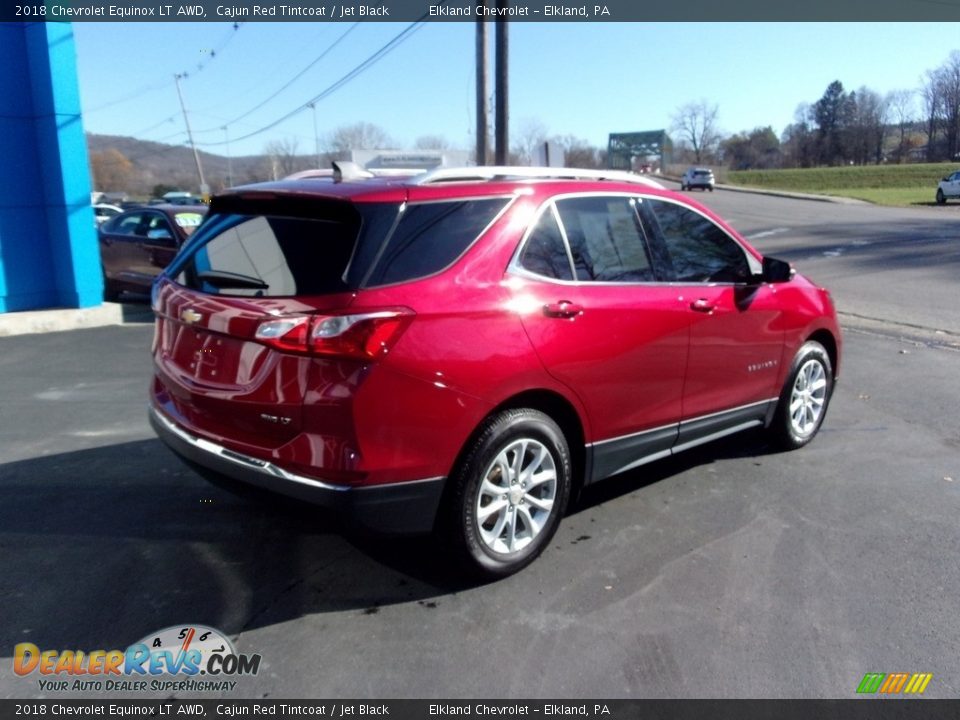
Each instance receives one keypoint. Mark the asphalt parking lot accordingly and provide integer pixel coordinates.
(732, 571)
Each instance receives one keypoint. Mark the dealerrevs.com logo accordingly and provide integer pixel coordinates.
(181, 658)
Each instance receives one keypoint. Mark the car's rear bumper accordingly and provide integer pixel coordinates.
(399, 508)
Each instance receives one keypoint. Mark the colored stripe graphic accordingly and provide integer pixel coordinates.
(918, 683)
(871, 682)
(893, 683)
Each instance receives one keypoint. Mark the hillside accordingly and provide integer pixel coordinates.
(125, 164)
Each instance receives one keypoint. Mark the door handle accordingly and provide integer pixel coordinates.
(702, 305)
(562, 309)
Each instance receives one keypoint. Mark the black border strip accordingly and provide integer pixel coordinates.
(349, 11)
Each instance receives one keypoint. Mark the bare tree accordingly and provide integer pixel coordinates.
(578, 153)
(932, 95)
(431, 142)
(798, 140)
(359, 136)
(283, 157)
(531, 135)
(696, 125)
(901, 105)
(949, 79)
(865, 126)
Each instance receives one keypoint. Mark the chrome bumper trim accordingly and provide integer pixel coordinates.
(245, 461)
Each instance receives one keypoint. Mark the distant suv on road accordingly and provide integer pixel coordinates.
(948, 188)
(697, 177)
(461, 351)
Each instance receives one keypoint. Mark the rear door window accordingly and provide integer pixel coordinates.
(429, 237)
(606, 239)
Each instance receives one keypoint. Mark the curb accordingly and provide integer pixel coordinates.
(33, 322)
(795, 195)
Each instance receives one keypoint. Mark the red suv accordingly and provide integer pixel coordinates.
(463, 350)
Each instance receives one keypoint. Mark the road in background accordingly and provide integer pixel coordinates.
(731, 571)
(889, 264)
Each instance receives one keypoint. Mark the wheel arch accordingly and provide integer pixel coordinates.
(829, 342)
(561, 411)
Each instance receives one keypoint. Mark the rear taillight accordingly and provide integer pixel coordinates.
(289, 334)
(362, 336)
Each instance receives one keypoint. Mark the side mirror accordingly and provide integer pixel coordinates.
(776, 271)
(159, 234)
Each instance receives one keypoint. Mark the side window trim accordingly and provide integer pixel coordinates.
(566, 240)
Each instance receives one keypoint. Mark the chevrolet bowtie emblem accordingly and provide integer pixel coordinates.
(190, 316)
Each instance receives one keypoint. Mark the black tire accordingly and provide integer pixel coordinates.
(517, 525)
(804, 399)
(111, 293)
(941, 198)
(711, 188)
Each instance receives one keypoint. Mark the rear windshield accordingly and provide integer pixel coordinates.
(319, 247)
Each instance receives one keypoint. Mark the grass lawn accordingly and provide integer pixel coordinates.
(900, 185)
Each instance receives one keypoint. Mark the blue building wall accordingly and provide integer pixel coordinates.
(48, 246)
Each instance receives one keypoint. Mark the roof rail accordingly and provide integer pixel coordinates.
(507, 172)
(328, 173)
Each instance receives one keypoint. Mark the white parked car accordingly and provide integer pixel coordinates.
(697, 177)
(104, 211)
(948, 188)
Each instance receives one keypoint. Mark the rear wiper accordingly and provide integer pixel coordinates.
(221, 280)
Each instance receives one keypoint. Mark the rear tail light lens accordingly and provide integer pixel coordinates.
(288, 334)
(362, 336)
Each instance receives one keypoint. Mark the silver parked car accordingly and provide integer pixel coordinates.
(697, 177)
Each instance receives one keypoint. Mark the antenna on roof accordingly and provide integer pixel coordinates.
(344, 170)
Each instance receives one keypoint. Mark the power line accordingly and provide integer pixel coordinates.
(292, 80)
(166, 83)
(369, 62)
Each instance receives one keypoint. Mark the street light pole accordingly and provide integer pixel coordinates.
(204, 188)
(226, 136)
(316, 137)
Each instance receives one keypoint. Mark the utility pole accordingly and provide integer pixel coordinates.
(483, 107)
(204, 188)
(503, 114)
